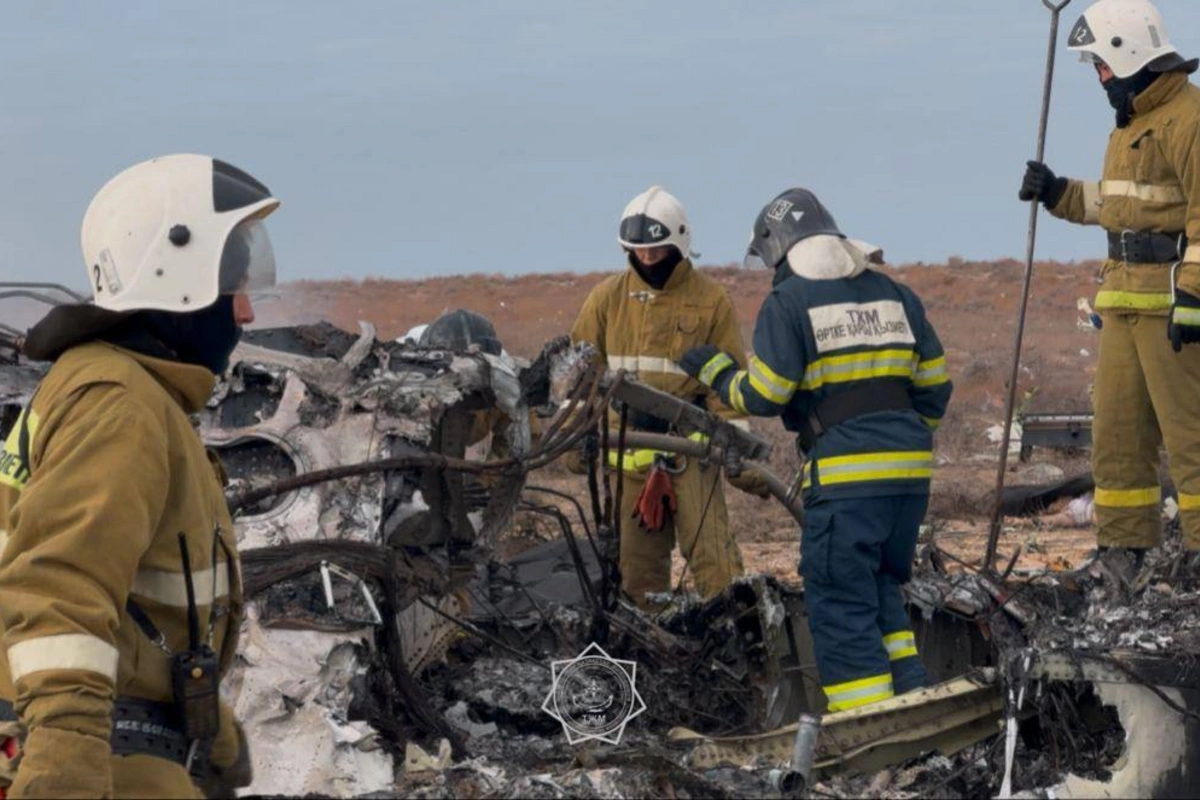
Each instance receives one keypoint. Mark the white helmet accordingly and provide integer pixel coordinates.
(653, 219)
(1127, 35)
(173, 233)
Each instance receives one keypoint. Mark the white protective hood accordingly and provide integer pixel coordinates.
(824, 258)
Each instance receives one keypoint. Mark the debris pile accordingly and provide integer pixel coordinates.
(391, 646)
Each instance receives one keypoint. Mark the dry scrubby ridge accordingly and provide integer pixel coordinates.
(972, 304)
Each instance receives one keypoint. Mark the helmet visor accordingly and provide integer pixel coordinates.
(248, 261)
(753, 261)
(643, 231)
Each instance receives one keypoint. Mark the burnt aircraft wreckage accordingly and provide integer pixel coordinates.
(399, 641)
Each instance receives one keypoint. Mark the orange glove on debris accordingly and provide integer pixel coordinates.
(656, 501)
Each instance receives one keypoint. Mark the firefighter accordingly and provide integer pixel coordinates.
(847, 357)
(114, 524)
(642, 320)
(1148, 202)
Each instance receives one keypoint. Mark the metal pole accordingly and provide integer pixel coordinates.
(997, 512)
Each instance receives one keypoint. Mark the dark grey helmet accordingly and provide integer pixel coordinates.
(791, 217)
(459, 329)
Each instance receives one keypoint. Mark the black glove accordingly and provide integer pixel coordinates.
(1183, 327)
(535, 379)
(1042, 184)
(706, 363)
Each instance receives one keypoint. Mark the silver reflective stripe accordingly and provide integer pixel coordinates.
(741, 424)
(645, 364)
(882, 690)
(1187, 316)
(1192, 253)
(1091, 202)
(930, 375)
(715, 366)
(925, 462)
(169, 588)
(63, 651)
(822, 371)
(3, 540)
(1148, 192)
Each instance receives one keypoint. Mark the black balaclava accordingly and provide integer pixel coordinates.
(1122, 91)
(205, 338)
(657, 275)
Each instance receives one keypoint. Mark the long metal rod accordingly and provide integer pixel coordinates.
(1014, 374)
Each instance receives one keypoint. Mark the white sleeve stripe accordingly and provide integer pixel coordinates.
(657, 364)
(169, 588)
(63, 651)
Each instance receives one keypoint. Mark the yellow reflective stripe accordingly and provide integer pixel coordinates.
(931, 373)
(632, 460)
(14, 472)
(1192, 253)
(902, 644)
(858, 367)
(1091, 202)
(1140, 301)
(1129, 498)
(852, 694)
(1148, 192)
(777, 389)
(736, 400)
(1187, 502)
(715, 366)
(658, 364)
(63, 651)
(1186, 316)
(169, 589)
(875, 467)
(932, 422)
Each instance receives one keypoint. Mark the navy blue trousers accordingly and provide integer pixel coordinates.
(855, 554)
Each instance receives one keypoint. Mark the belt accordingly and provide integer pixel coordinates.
(139, 727)
(865, 398)
(1146, 247)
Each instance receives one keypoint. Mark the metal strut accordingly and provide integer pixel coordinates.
(1010, 402)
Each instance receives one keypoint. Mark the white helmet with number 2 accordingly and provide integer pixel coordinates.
(174, 233)
(1127, 35)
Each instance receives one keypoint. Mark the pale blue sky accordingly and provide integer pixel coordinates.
(409, 139)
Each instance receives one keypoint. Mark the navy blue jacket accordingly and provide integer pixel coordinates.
(816, 338)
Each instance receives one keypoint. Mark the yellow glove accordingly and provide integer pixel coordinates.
(751, 481)
(62, 763)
